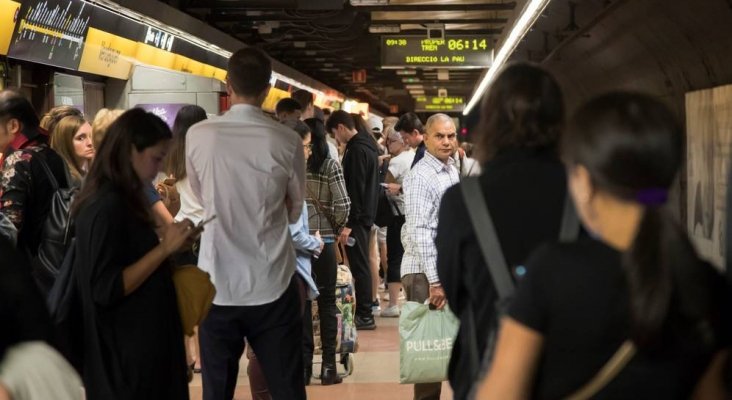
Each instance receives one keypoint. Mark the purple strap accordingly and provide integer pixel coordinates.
(652, 196)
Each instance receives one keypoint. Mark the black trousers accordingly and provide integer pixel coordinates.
(394, 250)
(359, 260)
(325, 269)
(273, 330)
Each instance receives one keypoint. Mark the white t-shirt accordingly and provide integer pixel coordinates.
(189, 206)
(398, 167)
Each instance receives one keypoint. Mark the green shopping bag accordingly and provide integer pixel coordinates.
(426, 339)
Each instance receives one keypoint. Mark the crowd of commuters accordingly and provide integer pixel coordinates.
(269, 206)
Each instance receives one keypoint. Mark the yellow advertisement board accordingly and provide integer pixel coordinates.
(107, 54)
(8, 11)
(273, 97)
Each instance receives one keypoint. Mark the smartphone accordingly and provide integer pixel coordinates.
(202, 223)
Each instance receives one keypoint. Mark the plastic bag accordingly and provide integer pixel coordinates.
(426, 340)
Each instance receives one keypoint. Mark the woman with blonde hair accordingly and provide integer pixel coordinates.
(102, 120)
(72, 140)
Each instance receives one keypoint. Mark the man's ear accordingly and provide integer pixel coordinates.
(14, 126)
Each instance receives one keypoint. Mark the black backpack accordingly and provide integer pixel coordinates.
(386, 210)
(58, 230)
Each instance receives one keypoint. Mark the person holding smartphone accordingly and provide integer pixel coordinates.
(133, 339)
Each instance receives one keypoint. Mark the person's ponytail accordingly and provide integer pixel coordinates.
(663, 274)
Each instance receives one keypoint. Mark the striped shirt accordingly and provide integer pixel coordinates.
(329, 186)
(424, 186)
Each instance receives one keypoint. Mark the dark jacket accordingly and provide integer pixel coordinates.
(22, 308)
(419, 153)
(361, 171)
(525, 192)
(26, 192)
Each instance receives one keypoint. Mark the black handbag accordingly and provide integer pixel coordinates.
(386, 210)
(498, 268)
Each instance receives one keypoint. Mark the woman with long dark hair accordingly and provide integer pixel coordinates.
(133, 340)
(523, 183)
(176, 164)
(637, 285)
(328, 208)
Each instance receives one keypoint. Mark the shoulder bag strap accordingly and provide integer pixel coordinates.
(487, 237)
(321, 209)
(51, 178)
(570, 222)
(607, 373)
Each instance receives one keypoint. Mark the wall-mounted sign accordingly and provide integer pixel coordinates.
(8, 16)
(438, 104)
(166, 112)
(80, 35)
(418, 51)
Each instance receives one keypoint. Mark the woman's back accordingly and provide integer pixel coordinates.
(576, 296)
(525, 192)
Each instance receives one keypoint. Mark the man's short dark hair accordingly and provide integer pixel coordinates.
(408, 123)
(340, 117)
(303, 97)
(249, 72)
(14, 105)
(287, 105)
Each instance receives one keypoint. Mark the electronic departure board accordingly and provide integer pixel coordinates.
(51, 32)
(438, 104)
(455, 51)
(80, 35)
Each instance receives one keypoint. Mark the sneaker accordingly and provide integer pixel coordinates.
(364, 324)
(382, 286)
(391, 312)
(375, 307)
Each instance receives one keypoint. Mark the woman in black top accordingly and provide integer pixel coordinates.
(639, 280)
(524, 185)
(133, 340)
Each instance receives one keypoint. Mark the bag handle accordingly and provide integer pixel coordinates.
(487, 237)
(570, 227)
(607, 373)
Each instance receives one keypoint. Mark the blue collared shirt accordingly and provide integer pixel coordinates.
(305, 246)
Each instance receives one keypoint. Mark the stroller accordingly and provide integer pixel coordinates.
(347, 337)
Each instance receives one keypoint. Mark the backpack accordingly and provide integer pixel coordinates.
(386, 210)
(57, 232)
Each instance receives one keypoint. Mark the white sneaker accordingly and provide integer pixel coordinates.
(391, 312)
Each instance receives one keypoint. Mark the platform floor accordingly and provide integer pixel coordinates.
(375, 374)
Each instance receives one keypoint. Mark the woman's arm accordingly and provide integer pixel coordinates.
(514, 365)
(174, 236)
(711, 386)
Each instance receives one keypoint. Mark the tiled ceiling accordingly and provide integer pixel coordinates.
(329, 39)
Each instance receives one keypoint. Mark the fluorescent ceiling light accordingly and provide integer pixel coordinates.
(528, 16)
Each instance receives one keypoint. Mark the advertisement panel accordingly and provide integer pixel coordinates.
(9, 11)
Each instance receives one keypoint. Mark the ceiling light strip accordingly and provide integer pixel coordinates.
(531, 12)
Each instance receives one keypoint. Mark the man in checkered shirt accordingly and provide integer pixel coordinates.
(424, 186)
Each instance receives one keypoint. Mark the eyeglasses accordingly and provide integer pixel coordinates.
(309, 146)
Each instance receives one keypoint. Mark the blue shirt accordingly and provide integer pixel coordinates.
(305, 246)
